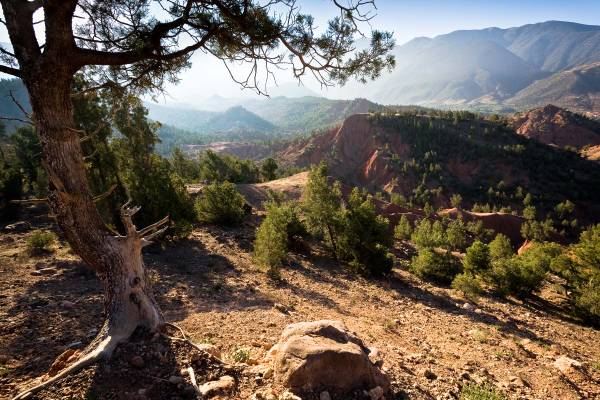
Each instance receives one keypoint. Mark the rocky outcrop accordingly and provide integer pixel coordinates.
(325, 355)
(556, 126)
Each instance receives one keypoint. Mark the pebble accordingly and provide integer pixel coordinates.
(67, 304)
(324, 396)
(137, 361)
(376, 393)
(175, 380)
(429, 374)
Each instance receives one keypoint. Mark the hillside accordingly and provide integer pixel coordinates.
(432, 341)
(427, 158)
(556, 126)
(577, 89)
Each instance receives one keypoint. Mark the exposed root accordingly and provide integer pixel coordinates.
(103, 350)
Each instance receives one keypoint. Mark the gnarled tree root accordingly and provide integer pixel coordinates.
(102, 350)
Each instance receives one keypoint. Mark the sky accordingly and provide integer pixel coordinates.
(406, 18)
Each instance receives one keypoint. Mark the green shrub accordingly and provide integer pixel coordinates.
(468, 284)
(220, 203)
(456, 235)
(480, 392)
(365, 238)
(41, 241)
(500, 248)
(523, 274)
(427, 234)
(273, 236)
(433, 266)
(477, 259)
(587, 301)
(404, 229)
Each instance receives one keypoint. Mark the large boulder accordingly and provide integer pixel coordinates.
(325, 355)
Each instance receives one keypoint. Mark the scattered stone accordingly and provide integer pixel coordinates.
(281, 308)
(375, 357)
(67, 304)
(565, 364)
(468, 306)
(324, 355)
(223, 385)
(137, 361)
(429, 374)
(465, 375)
(376, 393)
(517, 381)
(289, 396)
(324, 396)
(210, 349)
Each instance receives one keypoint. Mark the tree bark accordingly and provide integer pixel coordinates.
(116, 259)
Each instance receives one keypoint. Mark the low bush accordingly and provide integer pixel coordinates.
(468, 284)
(41, 241)
(433, 266)
(480, 392)
(220, 203)
(523, 274)
(273, 236)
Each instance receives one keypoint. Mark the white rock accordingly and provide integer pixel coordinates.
(224, 384)
(565, 364)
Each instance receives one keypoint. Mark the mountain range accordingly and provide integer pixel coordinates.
(495, 68)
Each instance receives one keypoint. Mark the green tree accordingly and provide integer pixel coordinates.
(147, 177)
(220, 203)
(438, 267)
(268, 169)
(183, 166)
(322, 206)
(456, 200)
(477, 258)
(365, 236)
(273, 236)
(456, 234)
(404, 229)
(500, 248)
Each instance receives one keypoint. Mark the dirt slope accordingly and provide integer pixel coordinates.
(557, 126)
(431, 340)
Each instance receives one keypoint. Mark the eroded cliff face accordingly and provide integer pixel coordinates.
(556, 126)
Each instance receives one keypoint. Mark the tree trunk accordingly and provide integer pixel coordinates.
(117, 260)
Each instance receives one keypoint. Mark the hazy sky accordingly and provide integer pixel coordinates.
(407, 19)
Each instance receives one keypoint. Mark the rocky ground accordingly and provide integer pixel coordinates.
(431, 340)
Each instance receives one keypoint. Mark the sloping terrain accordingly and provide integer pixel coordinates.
(556, 126)
(577, 89)
(432, 341)
(427, 158)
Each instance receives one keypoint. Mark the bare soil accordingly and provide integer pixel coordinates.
(432, 341)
